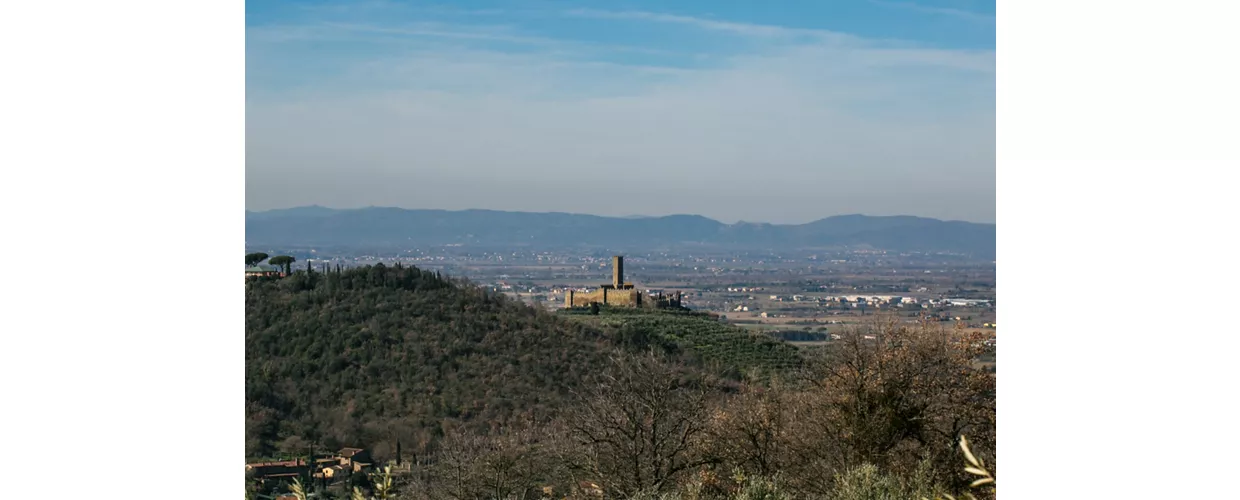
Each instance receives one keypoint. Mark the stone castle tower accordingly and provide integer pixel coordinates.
(617, 271)
(617, 293)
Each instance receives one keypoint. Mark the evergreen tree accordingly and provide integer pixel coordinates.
(284, 261)
(309, 466)
(254, 258)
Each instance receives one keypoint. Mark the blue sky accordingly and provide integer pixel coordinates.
(760, 111)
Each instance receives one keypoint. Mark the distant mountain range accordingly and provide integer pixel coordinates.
(382, 227)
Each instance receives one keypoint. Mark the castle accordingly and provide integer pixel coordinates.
(619, 294)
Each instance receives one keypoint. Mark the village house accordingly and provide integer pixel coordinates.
(355, 458)
(274, 470)
(263, 271)
(334, 472)
(331, 467)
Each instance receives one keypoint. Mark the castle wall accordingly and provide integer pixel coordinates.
(617, 293)
(604, 296)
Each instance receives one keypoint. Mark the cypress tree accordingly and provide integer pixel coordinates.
(398, 453)
(309, 465)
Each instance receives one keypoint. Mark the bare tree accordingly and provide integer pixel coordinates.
(752, 430)
(506, 465)
(893, 395)
(640, 428)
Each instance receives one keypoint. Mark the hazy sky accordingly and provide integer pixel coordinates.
(760, 111)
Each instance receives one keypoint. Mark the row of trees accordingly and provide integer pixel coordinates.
(282, 261)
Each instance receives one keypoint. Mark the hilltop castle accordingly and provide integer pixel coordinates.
(619, 294)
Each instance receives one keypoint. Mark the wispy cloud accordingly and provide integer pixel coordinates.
(747, 29)
(447, 31)
(942, 11)
(388, 7)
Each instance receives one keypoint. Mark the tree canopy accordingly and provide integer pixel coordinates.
(252, 259)
(284, 261)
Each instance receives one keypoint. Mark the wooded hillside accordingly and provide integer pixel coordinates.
(377, 354)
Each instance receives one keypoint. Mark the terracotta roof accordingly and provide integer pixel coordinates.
(348, 452)
(284, 463)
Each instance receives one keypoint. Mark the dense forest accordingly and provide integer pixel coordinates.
(379, 354)
(491, 398)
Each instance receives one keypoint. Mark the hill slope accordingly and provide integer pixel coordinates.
(371, 353)
(718, 347)
(377, 354)
(395, 226)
